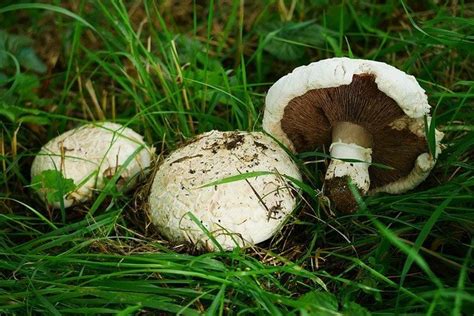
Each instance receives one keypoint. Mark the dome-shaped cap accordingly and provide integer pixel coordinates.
(91, 154)
(242, 212)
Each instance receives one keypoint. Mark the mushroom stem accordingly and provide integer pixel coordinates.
(352, 143)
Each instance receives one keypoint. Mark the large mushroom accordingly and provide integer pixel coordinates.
(362, 111)
(238, 213)
(91, 154)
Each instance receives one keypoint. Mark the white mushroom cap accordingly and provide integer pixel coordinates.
(400, 87)
(91, 154)
(242, 212)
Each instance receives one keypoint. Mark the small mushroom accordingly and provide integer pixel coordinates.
(237, 213)
(91, 154)
(363, 111)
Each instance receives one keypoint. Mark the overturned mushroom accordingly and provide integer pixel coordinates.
(242, 212)
(91, 154)
(362, 111)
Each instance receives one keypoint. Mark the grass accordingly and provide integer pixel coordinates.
(171, 70)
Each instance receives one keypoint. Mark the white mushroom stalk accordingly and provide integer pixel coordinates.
(350, 160)
(351, 156)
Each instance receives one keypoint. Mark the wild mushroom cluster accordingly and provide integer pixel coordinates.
(223, 190)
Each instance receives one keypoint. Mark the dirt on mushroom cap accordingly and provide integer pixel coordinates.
(245, 211)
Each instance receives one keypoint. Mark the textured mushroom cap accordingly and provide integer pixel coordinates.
(92, 153)
(391, 107)
(243, 212)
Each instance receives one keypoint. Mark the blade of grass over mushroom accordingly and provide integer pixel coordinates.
(253, 174)
(310, 154)
(238, 177)
(430, 135)
(205, 230)
(111, 184)
(358, 198)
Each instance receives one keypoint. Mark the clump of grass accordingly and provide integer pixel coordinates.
(173, 71)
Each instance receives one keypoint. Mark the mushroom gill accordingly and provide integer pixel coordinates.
(353, 121)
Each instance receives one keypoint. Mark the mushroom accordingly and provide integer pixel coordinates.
(237, 213)
(363, 111)
(91, 154)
